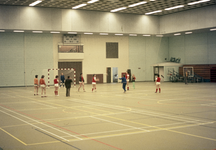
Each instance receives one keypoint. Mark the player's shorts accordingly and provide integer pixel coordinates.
(81, 82)
(157, 83)
(56, 85)
(35, 85)
(42, 85)
(127, 80)
(62, 81)
(93, 82)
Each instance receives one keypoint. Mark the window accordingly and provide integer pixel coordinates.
(111, 50)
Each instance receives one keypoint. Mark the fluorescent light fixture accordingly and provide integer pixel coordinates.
(18, 31)
(136, 4)
(37, 31)
(103, 33)
(54, 32)
(152, 0)
(188, 32)
(179, 6)
(72, 32)
(88, 33)
(2, 30)
(159, 35)
(35, 3)
(119, 34)
(92, 1)
(78, 6)
(153, 12)
(197, 2)
(132, 34)
(146, 35)
(213, 29)
(177, 34)
(118, 9)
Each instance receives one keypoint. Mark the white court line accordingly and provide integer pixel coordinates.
(140, 132)
(39, 123)
(119, 123)
(34, 125)
(44, 104)
(130, 129)
(159, 115)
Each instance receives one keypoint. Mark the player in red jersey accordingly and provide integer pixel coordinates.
(56, 85)
(157, 83)
(94, 79)
(127, 79)
(36, 86)
(81, 82)
(43, 86)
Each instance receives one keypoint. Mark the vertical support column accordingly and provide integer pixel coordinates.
(74, 77)
(48, 81)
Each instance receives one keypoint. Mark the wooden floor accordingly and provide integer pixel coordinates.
(181, 117)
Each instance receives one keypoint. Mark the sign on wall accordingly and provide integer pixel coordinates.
(71, 39)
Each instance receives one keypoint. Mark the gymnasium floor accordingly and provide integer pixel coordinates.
(182, 117)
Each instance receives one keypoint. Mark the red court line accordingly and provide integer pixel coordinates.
(59, 127)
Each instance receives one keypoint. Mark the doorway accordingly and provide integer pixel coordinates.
(115, 74)
(108, 74)
(75, 65)
(159, 70)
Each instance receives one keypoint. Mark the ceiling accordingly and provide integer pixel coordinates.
(108, 5)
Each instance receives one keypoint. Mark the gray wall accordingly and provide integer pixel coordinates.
(199, 18)
(22, 56)
(34, 18)
(195, 48)
(144, 52)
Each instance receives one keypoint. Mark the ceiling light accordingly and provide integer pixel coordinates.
(72, 32)
(88, 33)
(54, 32)
(197, 2)
(2, 30)
(213, 29)
(92, 1)
(188, 32)
(78, 6)
(180, 6)
(132, 34)
(146, 35)
(152, 0)
(177, 34)
(103, 33)
(35, 3)
(153, 12)
(159, 35)
(136, 4)
(118, 34)
(118, 9)
(37, 31)
(18, 31)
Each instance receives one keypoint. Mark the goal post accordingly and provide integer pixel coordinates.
(62, 69)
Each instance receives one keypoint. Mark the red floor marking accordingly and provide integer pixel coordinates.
(59, 127)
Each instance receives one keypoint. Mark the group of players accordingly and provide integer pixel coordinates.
(68, 81)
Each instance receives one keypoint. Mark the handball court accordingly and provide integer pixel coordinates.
(182, 117)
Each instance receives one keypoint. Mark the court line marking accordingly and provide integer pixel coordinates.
(39, 123)
(149, 125)
(44, 104)
(119, 123)
(72, 132)
(33, 125)
(182, 123)
(13, 136)
(165, 129)
(159, 115)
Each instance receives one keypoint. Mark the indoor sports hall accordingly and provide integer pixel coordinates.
(162, 52)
